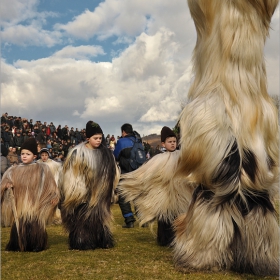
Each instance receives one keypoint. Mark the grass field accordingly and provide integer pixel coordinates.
(135, 256)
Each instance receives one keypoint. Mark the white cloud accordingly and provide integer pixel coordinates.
(15, 11)
(80, 52)
(30, 35)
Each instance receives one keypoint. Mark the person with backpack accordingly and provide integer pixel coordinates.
(130, 154)
(158, 193)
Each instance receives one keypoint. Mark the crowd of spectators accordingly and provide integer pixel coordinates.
(58, 140)
(15, 130)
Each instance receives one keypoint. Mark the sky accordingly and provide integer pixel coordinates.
(112, 61)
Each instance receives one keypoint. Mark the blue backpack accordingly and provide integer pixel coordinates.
(137, 153)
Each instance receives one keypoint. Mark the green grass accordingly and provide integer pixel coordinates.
(135, 256)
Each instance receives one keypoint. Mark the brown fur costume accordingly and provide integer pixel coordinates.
(156, 194)
(56, 170)
(90, 177)
(35, 196)
(229, 143)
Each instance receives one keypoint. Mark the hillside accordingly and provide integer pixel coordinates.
(152, 139)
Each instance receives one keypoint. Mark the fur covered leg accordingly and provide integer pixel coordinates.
(87, 230)
(203, 236)
(33, 236)
(165, 233)
(257, 251)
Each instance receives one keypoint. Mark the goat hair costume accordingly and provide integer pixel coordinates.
(89, 179)
(229, 144)
(29, 196)
(155, 194)
(56, 170)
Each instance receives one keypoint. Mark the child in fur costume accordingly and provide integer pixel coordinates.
(56, 169)
(90, 177)
(153, 191)
(29, 197)
(229, 144)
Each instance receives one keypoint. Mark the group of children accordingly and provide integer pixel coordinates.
(82, 188)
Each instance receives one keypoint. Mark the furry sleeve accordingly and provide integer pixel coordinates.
(154, 190)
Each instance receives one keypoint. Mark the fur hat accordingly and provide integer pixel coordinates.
(166, 132)
(31, 145)
(93, 128)
(44, 150)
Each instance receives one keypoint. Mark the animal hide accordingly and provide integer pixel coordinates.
(89, 180)
(154, 191)
(35, 196)
(56, 170)
(229, 143)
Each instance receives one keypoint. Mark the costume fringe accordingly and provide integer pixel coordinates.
(36, 196)
(229, 144)
(56, 170)
(154, 190)
(89, 180)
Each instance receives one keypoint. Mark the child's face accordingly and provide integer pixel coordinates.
(44, 156)
(95, 140)
(170, 144)
(27, 156)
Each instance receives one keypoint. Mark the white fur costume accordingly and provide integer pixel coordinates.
(229, 143)
(152, 190)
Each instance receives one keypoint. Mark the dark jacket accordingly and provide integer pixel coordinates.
(122, 152)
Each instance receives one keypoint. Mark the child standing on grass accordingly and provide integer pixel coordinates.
(90, 177)
(29, 196)
(156, 194)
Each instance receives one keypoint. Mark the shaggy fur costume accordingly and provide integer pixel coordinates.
(35, 196)
(90, 177)
(56, 170)
(229, 143)
(156, 194)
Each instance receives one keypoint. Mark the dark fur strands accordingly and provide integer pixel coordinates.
(33, 237)
(35, 196)
(229, 144)
(165, 233)
(90, 177)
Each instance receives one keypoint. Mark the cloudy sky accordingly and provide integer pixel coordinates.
(111, 61)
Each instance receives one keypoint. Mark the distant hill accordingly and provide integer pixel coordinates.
(152, 139)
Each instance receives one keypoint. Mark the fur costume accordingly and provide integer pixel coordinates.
(155, 194)
(90, 177)
(29, 196)
(56, 170)
(229, 143)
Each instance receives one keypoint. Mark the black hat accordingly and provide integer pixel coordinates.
(31, 145)
(165, 133)
(93, 128)
(44, 150)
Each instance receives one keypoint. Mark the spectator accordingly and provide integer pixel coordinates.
(122, 155)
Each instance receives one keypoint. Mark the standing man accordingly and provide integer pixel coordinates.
(122, 154)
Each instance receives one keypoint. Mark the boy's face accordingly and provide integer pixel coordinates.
(95, 140)
(27, 156)
(170, 144)
(44, 156)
